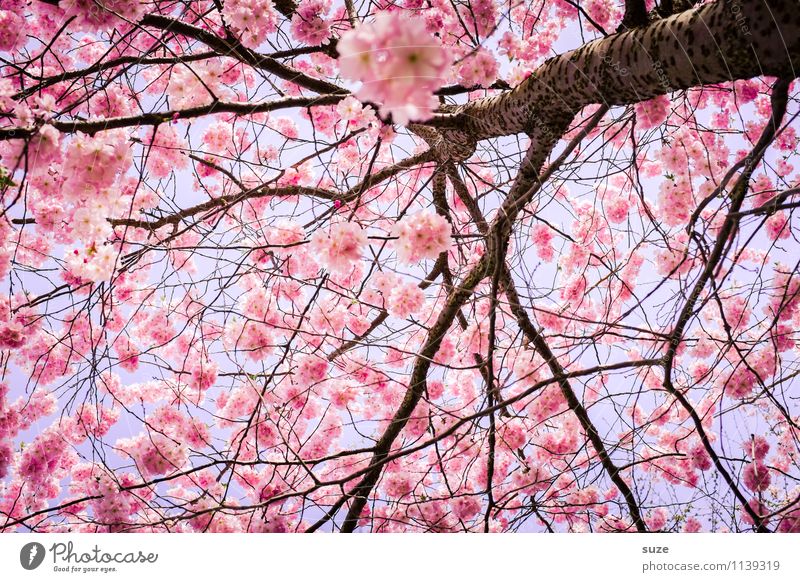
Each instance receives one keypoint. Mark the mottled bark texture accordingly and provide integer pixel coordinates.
(712, 43)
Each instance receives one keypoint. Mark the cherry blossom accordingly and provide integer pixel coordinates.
(341, 246)
(252, 20)
(399, 63)
(423, 235)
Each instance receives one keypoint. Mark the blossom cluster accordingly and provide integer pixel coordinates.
(399, 63)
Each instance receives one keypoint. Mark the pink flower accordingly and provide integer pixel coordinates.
(515, 434)
(308, 22)
(12, 335)
(542, 237)
(616, 205)
(756, 448)
(756, 476)
(657, 519)
(6, 457)
(12, 26)
(154, 453)
(398, 484)
(285, 233)
(352, 110)
(339, 247)
(421, 236)
(746, 91)
(406, 300)
(310, 370)
(96, 263)
(478, 69)
(652, 113)
(481, 16)
(778, 226)
(93, 15)
(93, 162)
(759, 508)
(466, 507)
(252, 20)
(692, 525)
(675, 201)
(40, 459)
(399, 63)
(790, 522)
(699, 457)
(203, 373)
(741, 382)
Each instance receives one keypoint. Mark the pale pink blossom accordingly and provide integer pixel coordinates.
(423, 235)
(338, 247)
(309, 21)
(406, 299)
(253, 20)
(399, 63)
(478, 69)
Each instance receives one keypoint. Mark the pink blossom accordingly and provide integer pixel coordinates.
(478, 69)
(96, 263)
(12, 335)
(759, 508)
(309, 23)
(154, 453)
(397, 484)
(692, 525)
(203, 372)
(423, 235)
(756, 476)
(790, 522)
(740, 383)
(699, 457)
(340, 246)
(406, 299)
(399, 63)
(482, 14)
(652, 113)
(41, 458)
(350, 109)
(90, 15)
(778, 226)
(11, 30)
(756, 448)
(252, 20)
(310, 370)
(466, 507)
(675, 202)
(542, 236)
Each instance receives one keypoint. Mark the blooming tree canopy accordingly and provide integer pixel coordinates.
(452, 266)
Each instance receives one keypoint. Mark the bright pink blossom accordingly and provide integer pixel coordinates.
(756, 476)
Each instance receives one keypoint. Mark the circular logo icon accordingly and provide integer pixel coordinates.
(31, 555)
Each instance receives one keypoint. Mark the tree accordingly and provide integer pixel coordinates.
(426, 266)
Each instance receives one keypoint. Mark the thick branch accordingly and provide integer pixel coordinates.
(712, 43)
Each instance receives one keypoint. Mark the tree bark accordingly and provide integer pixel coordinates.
(712, 43)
